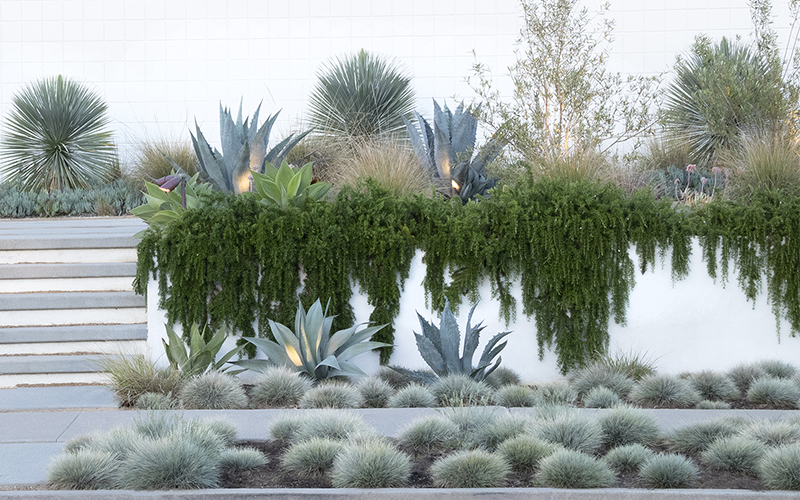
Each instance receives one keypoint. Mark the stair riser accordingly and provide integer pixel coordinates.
(119, 284)
(54, 317)
(111, 347)
(7, 381)
(65, 256)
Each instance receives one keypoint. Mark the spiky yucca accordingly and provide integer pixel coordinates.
(573, 469)
(628, 458)
(313, 457)
(470, 469)
(332, 395)
(279, 387)
(669, 470)
(374, 464)
(523, 453)
(431, 433)
(213, 391)
(412, 396)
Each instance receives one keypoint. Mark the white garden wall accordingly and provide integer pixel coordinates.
(693, 325)
(161, 64)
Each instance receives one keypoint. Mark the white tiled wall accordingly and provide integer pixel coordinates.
(161, 64)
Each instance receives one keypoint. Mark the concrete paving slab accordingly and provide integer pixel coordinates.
(34, 427)
(70, 300)
(51, 398)
(26, 463)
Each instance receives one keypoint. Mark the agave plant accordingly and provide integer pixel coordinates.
(57, 137)
(439, 347)
(244, 149)
(446, 150)
(360, 96)
(201, 355)
(311, 349)
(284, 187)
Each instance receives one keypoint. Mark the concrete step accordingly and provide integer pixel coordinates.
(62, 223)
(68, 270)
(40, 285)
(82, 333)
(67, 317)
(75, 255)
(70, 300)
(62, 348)
(73, 363)
(61, 241)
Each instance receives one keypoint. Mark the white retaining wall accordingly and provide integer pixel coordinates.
(161, 64)
(694, 325)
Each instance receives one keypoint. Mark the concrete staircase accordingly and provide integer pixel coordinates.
(66, 299)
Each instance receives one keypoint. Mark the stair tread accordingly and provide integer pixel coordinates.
(57, 363)
(76, 333)
(70, 300)
(67, 270)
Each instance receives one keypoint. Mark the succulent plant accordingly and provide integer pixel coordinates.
(244, 149)
(201, 355)
(311, 348)
(162, 206)
(439, 347)
(286, 187)
(446, 150)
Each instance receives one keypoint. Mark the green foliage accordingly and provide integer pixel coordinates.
(697, 437)
(244, 150)
(624, 426)
(161, 207)
(312, 457)
(132, 376)
(764, 159)
(283, 187)
(523, 453)
(201, 355)
(713, 386)
(736, 454)
(154, 158)
(84, 470)
(669, 470)
(57, 137)
(373, 464)
(332, 395)
(311, 349)
(633, 365)
(775, 392)
(115, 198)
(213, 391)
(470, 469)
(279, 387)
(664, 391)
(360, 96)
(573, 469)
(431, 434)
(628, 458)
(601, 397)
(440, 347)
(515, 396)
(780, 468)
(412, 396)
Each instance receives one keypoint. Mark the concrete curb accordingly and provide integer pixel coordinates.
(411, 493)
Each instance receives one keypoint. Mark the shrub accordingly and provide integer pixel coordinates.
(156, 425)
(431, 433)
(241, 459)
(460, 390)
(712, 405)
(515, 396)
(523, 453)
(628, 458)
(370, 465)
(331, 424)
(155, 401)
(713, 386)
(222, 428)
(170, 463)
(388, 162)
(664, 391)
(780, 468)
(555, 394)
(776, 368)
(669, 471)
(213, 391)
(623, 426)
(633, 365)
(119, 441)
(470, 421)
(743, 375)
(313, 457)
(772, 433)
(573, 431)
(148, 162)
(132, 376)
(375, 393)
(285, 428)
(505, 427)
(84, 470)
(597, 375)
(573, 469)
(502, 377)
(470, 469)
(601, 397)
(737, 454)
(279, 387)
(57, 137)
(331, 395)
(412, 396)
(697, 437)
(775, 392)
(77, 443)
(765, 159)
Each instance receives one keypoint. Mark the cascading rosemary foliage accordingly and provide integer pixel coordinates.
(236, 261)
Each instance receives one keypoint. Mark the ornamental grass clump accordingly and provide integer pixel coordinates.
(412, 396)
(155, 401)
(780, 393)
(555, 394)
(313, 457)
(392, 377)
(779, 469)
(697, 437)
(118, 441)
(573, 431)
(460, 390)
(713, 386)
(524, 452)
(213, 391)
(241, 459)
(669, 470)
(623, 426)
(743, 375)
(737, 454)
(601, 397)
(375, 393)
(515, 396)
(284, 428)
(431, 434)
(331, 424)
(132, 376)
(84, 470)
(712, 405)
(503, 377)
(573, 469)
(778, 369)
(664, 391)
(279, 387)
(601, 375)
(331, 395)
(170, 463)
(470, 469)
(375, 464)
(506, 426)
(471, 420)
(629, 458)
(772, 433)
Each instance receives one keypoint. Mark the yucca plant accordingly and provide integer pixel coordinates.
(284, 187)
(244, 150)
(201, 356)
(439, 347)
(57, 137)
(360, 96)
(446, 150)
(311, 349)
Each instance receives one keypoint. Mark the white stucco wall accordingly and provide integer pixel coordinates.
(161, 64)
(693, 325)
